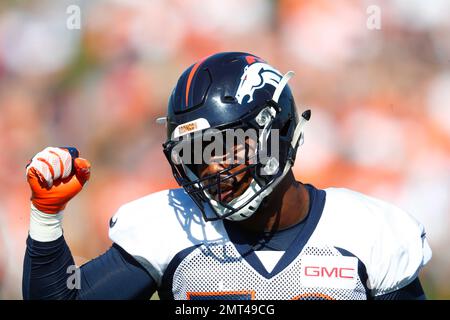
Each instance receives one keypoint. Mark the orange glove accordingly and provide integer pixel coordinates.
(55, 176)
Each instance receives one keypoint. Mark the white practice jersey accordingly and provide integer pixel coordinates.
(351, 247)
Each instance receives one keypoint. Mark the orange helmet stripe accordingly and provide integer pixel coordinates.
(191, 75)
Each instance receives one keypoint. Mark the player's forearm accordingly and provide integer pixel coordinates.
(47, 259)
(45, 270)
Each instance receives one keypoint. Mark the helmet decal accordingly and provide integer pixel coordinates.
(256, 76)
(190, 127)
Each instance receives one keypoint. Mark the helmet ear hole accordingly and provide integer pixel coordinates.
(229, 99)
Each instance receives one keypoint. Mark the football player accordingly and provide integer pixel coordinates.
(241, 226)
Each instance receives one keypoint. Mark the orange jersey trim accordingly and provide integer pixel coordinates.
(312, 295)
(220, 293)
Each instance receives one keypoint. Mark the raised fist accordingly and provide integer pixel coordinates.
(55, 176)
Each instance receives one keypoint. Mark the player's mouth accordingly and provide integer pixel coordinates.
(227, 192)
(231, 186)
(225, 195)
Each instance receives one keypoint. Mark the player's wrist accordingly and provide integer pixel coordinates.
(45, 227)
(48, 207)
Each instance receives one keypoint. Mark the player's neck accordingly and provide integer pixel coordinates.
(287, 205)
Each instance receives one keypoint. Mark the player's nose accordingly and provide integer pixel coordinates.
(212, 169)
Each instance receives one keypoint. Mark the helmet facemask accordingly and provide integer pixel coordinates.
(242, 152)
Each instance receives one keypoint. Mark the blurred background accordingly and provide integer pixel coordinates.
(379, 90)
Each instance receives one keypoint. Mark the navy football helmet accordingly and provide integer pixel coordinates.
(226, 91)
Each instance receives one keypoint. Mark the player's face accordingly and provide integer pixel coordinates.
(235, 185)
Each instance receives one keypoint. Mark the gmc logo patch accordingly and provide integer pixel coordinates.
(318, 271)
(329, 272)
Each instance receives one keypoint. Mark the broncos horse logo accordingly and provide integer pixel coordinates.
(256, 76)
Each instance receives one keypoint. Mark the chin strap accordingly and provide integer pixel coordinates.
(298, 133)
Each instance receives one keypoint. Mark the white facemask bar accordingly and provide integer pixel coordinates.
(298, 133)
(276, 95)
(283, 82)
